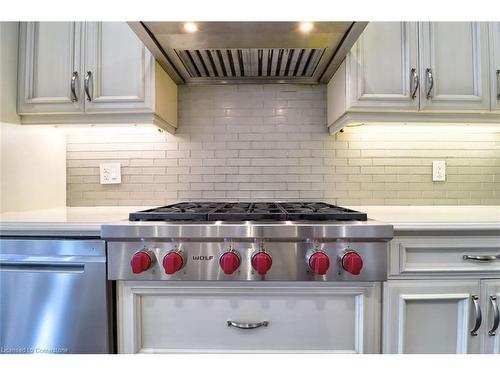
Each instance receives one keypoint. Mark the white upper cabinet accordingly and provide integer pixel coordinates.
(418, 72)
(119, 69)
(382, 68)
(50, 67)
(93, 72)
(454, 66)
(432, 317)
(495, 65)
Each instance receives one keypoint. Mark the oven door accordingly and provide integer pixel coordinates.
(53, 296)
(159, 317)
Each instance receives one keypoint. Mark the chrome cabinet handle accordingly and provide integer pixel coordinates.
(88, 76)
(74, 77)
(496, 316)
(240, 325)
(498, 84)
(482, 258)
(430, 82)
(415, 81)
(478, 317)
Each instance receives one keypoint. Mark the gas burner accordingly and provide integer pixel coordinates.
(248, 211)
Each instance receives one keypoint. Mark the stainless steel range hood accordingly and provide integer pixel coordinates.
(249, 52)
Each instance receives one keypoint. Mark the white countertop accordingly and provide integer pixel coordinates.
(435, 217)
(86, 221)
(71, 221)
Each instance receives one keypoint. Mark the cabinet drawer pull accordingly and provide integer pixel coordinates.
(498, 84)
(496, 316)
(478, 317)
(240, 325)
(415, 82)
(74, 77)
(430, 82)
(482, 258)
(87, 79)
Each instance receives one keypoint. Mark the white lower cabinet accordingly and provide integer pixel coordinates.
(440, 316)
(154, 318)
(490, 295)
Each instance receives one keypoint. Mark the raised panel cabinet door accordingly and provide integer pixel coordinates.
(119, 70)
(495, 65)
(382, 68)
(50, 62)
(431, 317)
(454, 67)
(490, 295)
(155, 318)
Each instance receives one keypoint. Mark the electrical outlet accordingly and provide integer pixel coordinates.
(439, 170)
(110, 173)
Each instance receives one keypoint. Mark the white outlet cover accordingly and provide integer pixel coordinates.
(110, 173)
(438, 170)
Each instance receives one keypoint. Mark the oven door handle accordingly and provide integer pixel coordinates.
(241, 325)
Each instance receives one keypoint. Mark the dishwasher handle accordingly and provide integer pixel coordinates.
(42, 267)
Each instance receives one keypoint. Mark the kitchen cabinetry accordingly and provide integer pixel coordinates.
(423, 317)
(490, 295)
(453, 60)
(118, 69)
(50, 63)
(495, 65)
(380, 64)
(442, 295)
(415, 72)
(155, 318)
(92, 72)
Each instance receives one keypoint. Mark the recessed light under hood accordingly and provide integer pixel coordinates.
(249, 52)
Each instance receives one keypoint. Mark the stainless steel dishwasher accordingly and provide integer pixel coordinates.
(54, 296)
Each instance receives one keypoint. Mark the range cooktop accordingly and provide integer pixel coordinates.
(245, 211)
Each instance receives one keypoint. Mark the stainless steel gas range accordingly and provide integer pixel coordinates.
(169, 260)
(204, 241)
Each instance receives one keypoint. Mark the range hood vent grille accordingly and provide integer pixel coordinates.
(252, 63)
(249, 52)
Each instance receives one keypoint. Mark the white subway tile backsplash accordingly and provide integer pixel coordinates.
(261, 142)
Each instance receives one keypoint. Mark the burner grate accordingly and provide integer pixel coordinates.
(243, 211)
(297, 211)
(248, 211)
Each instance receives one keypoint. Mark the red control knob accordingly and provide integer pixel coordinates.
(319, 263)
(172, 262)
(261, 262)
(140, 262)
(352, 262)
(229, 262)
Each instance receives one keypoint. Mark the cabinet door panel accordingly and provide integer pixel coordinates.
(454, 66)
(490, 296)
(50, 53)
(157, 318)
(379, 67)
(121, 69)
(429, 317)
(495, 65)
